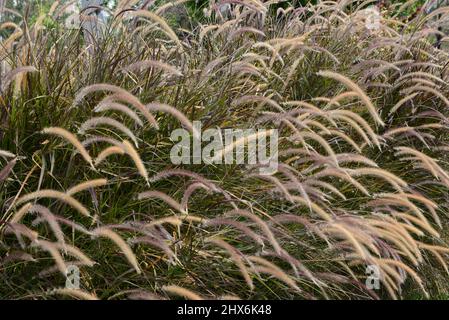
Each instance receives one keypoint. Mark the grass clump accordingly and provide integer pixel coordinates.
(86, 177)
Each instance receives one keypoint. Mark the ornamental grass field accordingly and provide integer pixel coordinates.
(360, 196)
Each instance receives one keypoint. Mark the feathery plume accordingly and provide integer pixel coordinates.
(114, 106)
(6, 154)
(174, 112)
(86, 185)
(5, 172)
(182, 292)
(70, 137)
(97, 121)
(262, 225)
(352, 86)
(9, 77)
(54, 252)
(108, 152)
(144, 64)
(74, 293)
(129, 149)
(119, 95)
(160, 21)
(236, 256)
(114, 237)
(164, 197)
(267, 267)
(53, 194)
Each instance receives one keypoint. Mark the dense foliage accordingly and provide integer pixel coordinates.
(86, 178)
